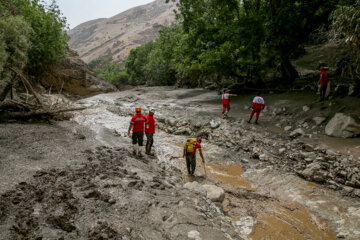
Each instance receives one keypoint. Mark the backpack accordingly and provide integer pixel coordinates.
(190, 145)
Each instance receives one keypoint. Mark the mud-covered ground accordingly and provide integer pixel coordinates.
(77, 179)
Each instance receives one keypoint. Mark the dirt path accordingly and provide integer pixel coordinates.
(78, 180)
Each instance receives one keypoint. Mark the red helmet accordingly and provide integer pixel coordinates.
(321, 68)
(199, 139)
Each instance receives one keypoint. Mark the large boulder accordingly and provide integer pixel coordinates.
(195, 187)
(343, 126)
(214, 193)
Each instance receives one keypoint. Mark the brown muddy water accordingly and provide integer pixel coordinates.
(284, 207)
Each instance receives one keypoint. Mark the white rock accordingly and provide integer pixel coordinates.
(342, 125)
(195, 187)
(263, 157)
(306, 108)
(287, 128)
(214, 193)
(282, 150)
(297, 133)
(318, 120)
(214, 124)
(246, 225)
(194, 235)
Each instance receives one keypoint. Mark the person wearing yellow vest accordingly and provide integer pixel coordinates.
(189, 154)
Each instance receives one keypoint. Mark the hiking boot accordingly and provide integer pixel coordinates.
(134, 152)
(223, 116)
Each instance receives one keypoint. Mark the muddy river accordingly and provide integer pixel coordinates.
(262, 202)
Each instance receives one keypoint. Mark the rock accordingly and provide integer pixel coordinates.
(343, 126)
(263, 157)
(287, 128)
(297, 133)
(282, 150)
(348, 189)
(245, 160)
(357, 192)
(171, 122)
(318, 120)
(183, 131)
(194, 235)
(75, 77)
(308, 147)
(305, 108)
(195, 187)
(214, 124)
(246, 225)
(310, 170)
(214, 193)
(342, 235)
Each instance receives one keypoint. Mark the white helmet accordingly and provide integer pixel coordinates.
(152, 110)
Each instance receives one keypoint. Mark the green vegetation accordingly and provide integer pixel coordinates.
(238, 42)
(110, 71)
(32, 36)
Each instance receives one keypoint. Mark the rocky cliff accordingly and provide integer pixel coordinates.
(75, 77)
(117, 35)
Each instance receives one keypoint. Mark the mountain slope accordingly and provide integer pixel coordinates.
(117, 35)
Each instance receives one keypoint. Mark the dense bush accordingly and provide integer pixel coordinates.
(111, 72)
(32, 35)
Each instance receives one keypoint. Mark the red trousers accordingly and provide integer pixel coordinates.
(226, 105)
(257, 111)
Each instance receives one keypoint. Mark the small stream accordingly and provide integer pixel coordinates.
(281, 206)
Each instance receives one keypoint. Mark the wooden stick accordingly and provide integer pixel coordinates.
(26, 82)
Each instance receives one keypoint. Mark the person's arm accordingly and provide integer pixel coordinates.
(201, 155)
(130, 127)
(233, 95)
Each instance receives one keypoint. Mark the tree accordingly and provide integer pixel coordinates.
(346, 28)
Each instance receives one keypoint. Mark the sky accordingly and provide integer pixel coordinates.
(80, 11)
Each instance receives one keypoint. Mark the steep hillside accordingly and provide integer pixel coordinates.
(117, 35)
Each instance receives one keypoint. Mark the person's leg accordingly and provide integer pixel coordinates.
(193, 164)
(147, 142)
(227, 109)
(257, 116)
(140, 140)
(134, 142)
(323, 94)
(223, 110)
(151, 142)
(251, 115)
(188, 163)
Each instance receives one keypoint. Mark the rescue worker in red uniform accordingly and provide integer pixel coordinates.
(137, 124)
(226, 103)
(150, 131)
(190, 155)
(258, 104)
(323, 82)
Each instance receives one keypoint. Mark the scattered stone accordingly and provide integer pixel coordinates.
(171, 122)
(246, 225)
(357, 192)
(195, 187)
(263, 157)
(214, 124)
(306, 108)
(318, 120)
(214, 193)
(244, 160)
(297, 133)
(287, 128)
(348, 189)
(282, 150)
(342, 235)
(343, 126)
(194, 235)
(308, 147)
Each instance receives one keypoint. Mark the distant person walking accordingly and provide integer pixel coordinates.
(323, 83)
(150, 131)
(226, 103)
(258, 104)
(137, 124)
(189, 154)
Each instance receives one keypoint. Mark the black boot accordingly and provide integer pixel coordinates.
(250, 119)
(256, 121)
